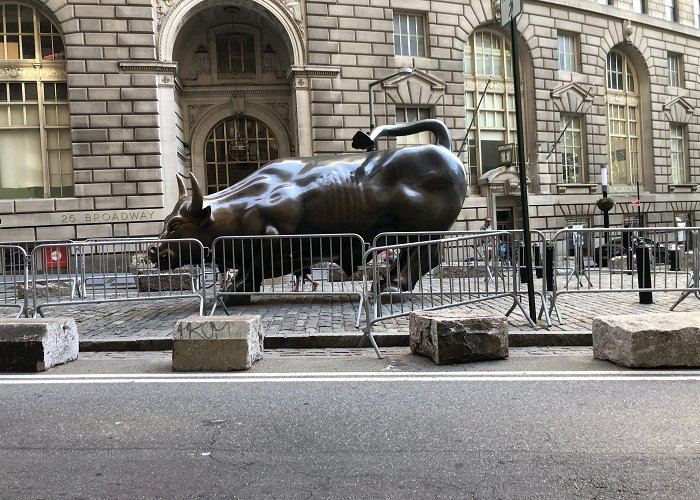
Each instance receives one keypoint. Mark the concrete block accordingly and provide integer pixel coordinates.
(648, 340)
(37, 344)
(449, 337)
(225, 343)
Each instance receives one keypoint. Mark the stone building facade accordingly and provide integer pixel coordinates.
(102, 102)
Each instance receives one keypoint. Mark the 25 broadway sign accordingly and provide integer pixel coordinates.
(108, 216)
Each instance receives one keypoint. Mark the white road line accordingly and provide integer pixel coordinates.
(348, 377)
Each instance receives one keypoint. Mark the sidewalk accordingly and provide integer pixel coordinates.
(308, 321)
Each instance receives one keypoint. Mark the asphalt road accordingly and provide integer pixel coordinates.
(351, 426)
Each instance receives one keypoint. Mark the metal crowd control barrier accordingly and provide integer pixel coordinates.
(117, 270)
(541, 265)
(55, 255)
(314, 264)
(15, 278)
(642, 260)
(439, 270)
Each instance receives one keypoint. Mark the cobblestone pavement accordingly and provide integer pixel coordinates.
(308, 315)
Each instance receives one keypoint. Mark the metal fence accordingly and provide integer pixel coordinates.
(432, 271)
(115, 270)
(15, 278)
(329, 264)
(642, 260)
(399, 273)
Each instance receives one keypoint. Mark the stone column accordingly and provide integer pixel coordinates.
(301, 96)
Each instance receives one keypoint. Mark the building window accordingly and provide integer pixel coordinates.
(605, 2)
(639, 6)
(679, 170)
(487, 55)
(409, 115)
(409, 35)
(568, 54)
(36, 157)
(623, 122)
(236, 147)
(235, 54)
(671, 11)
(675, 72)
(571, 147)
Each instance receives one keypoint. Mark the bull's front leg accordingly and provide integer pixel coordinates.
(247, 280)
(413, 264)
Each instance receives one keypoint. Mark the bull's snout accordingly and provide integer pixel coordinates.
(153, 254)
(163, 256)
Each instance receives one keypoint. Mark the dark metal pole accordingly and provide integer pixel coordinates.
(639, 208)
(476, 113)
(606, 215)
(523, 173)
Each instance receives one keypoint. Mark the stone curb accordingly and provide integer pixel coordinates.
(341, 340)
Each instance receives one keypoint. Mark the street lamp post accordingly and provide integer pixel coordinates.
(401, 72)
(604, 185)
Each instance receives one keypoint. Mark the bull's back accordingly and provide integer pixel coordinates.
(412, 189)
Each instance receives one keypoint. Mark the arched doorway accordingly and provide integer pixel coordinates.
(234, 60)
(236, 147)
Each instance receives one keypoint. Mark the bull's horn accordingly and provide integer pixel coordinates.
(197, 198)
(182, 189)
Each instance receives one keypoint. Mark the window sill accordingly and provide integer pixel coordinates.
(682, 188)
(577, 188)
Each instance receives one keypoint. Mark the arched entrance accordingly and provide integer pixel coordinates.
(236, 147)
(233, 90)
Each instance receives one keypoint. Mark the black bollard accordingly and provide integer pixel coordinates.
(673, 259)
(549, 265)
(627, 248)
(643, 254)
(538, 260)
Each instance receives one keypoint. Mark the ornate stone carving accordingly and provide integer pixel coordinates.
(281, 109)
(627, 30)
(11, 71)
(195, 112)
(162, 9)
(294, 8)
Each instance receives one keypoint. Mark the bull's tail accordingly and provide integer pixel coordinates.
(439, 130)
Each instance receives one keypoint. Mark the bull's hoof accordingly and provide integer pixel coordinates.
(236, 300)
(390, 295)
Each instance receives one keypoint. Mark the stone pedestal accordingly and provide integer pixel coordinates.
(222, 343)
(37, 344)
(449, 337)
(648, 340)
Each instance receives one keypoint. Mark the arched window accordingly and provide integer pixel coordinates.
(35, 147)
(236, 147)
(622, 100)
(487, 54)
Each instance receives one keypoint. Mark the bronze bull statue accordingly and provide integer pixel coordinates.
(419, 188)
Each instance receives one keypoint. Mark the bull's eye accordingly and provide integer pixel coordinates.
(174, 226)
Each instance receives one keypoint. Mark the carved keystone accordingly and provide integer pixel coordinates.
(37, 344)
(449, 337)
(226, 343)
(648, 340)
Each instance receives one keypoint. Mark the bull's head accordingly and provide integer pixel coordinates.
(189, 219)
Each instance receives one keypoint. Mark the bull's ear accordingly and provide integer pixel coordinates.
(182, 189)
(206, 217)
(197, 198)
